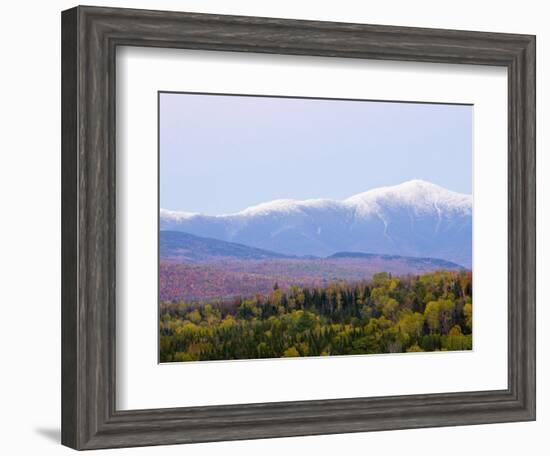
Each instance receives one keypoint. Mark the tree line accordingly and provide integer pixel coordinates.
(386, 314)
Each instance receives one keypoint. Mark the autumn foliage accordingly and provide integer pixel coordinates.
(387, 314)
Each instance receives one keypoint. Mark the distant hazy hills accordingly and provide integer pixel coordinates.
(185, 247)
(419, 262)
(414, 219)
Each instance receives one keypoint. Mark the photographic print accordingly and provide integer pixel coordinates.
(294, 227)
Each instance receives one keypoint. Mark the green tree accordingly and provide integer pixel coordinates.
(291, 353)
(467, 310)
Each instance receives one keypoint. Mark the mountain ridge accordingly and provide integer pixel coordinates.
(178, 245)
(415, 189)
(415, 218)
(182, 245)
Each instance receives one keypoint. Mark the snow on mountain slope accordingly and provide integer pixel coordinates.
(416, 218)
(420, 196)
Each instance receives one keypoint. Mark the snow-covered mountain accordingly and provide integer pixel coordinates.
(416, 218)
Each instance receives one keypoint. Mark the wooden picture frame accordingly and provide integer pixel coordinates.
(90, 36)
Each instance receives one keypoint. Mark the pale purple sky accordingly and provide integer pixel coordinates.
(220, 154)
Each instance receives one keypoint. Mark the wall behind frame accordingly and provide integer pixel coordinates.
(30, 232)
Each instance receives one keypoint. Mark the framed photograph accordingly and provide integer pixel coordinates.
(280, 228)
(275, 272)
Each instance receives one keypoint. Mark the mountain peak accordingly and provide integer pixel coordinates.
(417, 194)
(413, 188)
(419, 184)
(279, 205)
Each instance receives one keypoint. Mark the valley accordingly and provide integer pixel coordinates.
(193, 268)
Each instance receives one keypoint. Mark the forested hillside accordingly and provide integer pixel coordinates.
(387, 314)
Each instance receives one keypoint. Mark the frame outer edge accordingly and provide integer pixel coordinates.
(70, 392)
(522, 225)
(529, 137)
(89, 420)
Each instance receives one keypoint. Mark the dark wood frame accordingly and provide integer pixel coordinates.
(90, 36)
